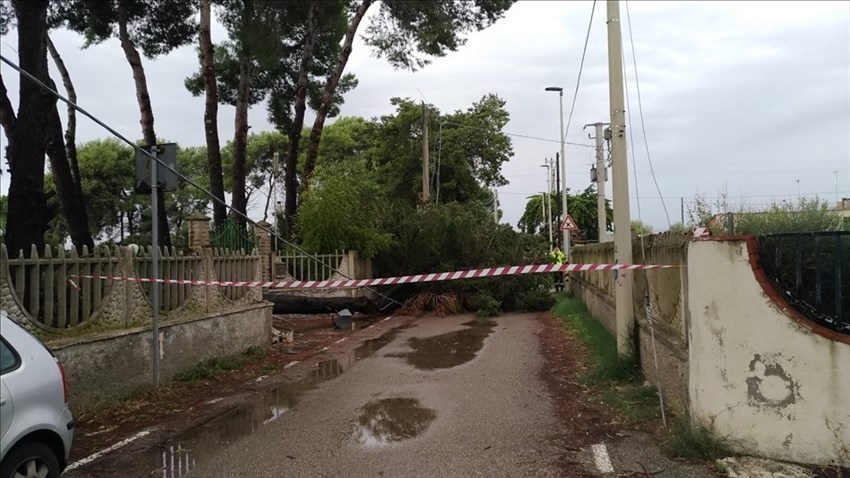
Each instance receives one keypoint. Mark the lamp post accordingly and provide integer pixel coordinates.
(566, 238)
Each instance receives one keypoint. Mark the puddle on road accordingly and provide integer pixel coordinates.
(448, 350)
(177, 457)
(391, 420)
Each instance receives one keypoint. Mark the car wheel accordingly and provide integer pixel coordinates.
(30, 460)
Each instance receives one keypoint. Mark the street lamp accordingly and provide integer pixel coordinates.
(563, 169)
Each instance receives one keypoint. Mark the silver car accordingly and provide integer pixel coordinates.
(36, 425)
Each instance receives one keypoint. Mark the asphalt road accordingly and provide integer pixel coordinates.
(433, 398)
(427, 397)
(428, 414)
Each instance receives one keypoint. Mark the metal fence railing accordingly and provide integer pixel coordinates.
(812, 270)
(302, 266)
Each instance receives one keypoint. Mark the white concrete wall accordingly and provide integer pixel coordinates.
(757, 374)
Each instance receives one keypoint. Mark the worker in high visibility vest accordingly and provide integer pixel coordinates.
(557, 257)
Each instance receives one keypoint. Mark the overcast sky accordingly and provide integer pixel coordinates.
(748, 99)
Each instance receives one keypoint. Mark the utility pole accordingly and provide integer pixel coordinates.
(601, 177)
(548, 198)
(682, 209)
(426, 193)
(622, 216)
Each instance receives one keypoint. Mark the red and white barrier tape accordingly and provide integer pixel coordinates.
(433, 277)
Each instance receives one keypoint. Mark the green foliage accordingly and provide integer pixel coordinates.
(807, 215)
(208, 369)
(155, 26)
(343, 210)
(582, 208)
(273, 41)
(472, 150)
(402, 28)
(459, 236)
(679, 228)
(616, 379)
(116, 213)
(641, 228)
(608, 364)
(696, 441)
(484, 304)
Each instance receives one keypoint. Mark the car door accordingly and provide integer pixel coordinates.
(9, 361)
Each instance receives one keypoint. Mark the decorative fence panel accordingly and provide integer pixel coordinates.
(49, 287)
(172, 265)
(234, 266)
(50, 292)
(301, 266)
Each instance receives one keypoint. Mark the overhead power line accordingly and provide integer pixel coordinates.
(536, 138)
(640, 112)
(580, 69)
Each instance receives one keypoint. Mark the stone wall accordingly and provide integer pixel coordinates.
(666, 291)
(120, 361)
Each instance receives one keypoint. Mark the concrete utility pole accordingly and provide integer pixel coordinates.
(548, 199)
(601, 177)
(622, 216)
(426, 193)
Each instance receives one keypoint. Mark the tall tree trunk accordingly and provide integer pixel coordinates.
(211, 116)
(290, 170)
(63, 162)
(330, 90)
(144, 100)
(25, 223)
(7, 113)
(240, 138)
(71, 129)
(71, 203)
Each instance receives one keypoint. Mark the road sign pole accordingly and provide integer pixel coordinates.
(154, 266)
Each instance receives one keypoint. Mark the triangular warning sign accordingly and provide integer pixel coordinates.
(568, 224)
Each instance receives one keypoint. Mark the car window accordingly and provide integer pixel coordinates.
(9, 359)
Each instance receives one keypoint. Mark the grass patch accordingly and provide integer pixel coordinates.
(617, 379)
(695, 441)
(209, 368)
(608, 365)
(116, 400)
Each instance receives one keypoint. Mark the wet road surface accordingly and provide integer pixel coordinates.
(454, 396)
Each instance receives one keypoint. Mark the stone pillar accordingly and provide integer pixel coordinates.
(264, 248)
(199, 231)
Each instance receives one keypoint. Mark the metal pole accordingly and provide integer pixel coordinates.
(566, 233)
(622, 217)
(154, 265)
(548, 200)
